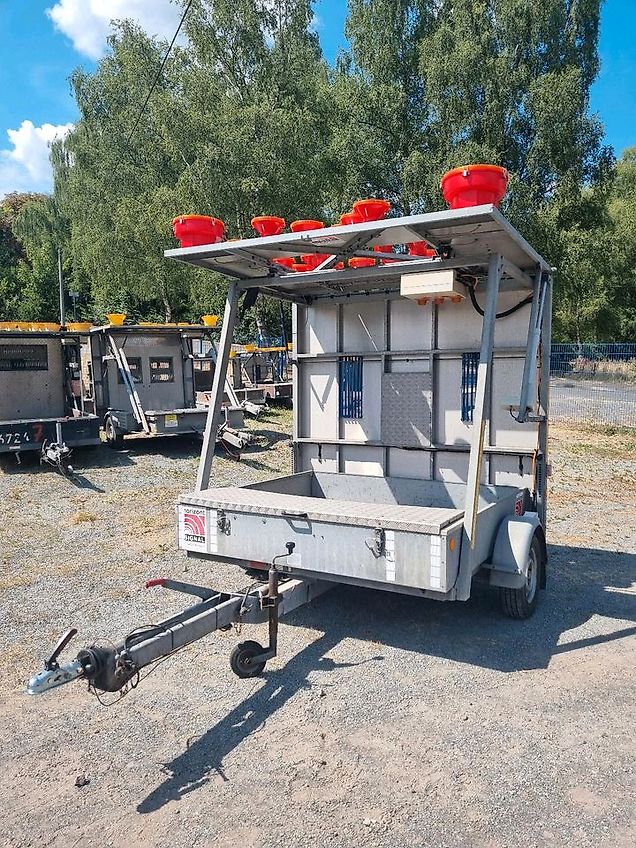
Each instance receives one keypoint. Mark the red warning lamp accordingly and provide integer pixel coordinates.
(371, 209)
(474, 185)
(268, 225)
(193, 230)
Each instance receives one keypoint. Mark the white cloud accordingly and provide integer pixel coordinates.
(26, 165)
(87, 22)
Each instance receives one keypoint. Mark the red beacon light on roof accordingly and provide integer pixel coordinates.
(268, 225)
(385, 248)
(306, 224)
(286, 262)
(361, 262)
(355, 217)
(351, 218)
(421, 248)
(371, 209)
(310, 261)
(474, 185)
(194, 230)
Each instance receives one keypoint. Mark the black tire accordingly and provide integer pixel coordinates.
(114, 437)
(241, 659)
(521, 603)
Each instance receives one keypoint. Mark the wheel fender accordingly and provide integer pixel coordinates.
(512, 546)
(117, 423)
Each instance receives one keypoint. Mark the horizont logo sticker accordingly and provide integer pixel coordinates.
(194, 526)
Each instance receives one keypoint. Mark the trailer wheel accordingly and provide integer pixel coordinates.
(241, 659)
(114, 439)
(521, 603)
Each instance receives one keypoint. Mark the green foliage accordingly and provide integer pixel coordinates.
(382, 135)
(429, 86)
(248, 119)
(235, 128)
(621, 207)
(30, 232)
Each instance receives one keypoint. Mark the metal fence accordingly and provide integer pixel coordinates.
(594, 383)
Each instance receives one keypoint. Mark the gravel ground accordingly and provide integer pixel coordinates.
(611, 402)
(387, 721)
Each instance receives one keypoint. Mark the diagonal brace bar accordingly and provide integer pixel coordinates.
(467, 564)
(532, 345)
(218, 384)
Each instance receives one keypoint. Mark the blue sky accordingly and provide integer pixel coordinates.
(39, 49)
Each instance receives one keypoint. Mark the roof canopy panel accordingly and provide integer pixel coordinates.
(467, 237)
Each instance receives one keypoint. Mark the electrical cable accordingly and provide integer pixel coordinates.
(477, 307)
(159, 72)
(144, 631)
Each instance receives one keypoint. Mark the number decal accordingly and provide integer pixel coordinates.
(38, 432)
(14, 438)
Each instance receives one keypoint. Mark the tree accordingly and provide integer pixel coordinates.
(30, 233)
(247, 119)
(233, 129)
(381, 132)
(621, 205)
(11, 254)
(118, 191)
(434, 84)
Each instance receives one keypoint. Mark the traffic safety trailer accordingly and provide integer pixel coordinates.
(41, 403)
(143, 380)
(420, 428)
(261, 372)
(420, 414)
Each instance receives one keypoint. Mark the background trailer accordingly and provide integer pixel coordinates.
(41, 406)
(262, 372)
(143, 380)
(420, 427)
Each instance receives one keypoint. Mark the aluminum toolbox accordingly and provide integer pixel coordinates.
(392, 533)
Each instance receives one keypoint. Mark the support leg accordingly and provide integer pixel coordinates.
(541, 284)
(544, 403)
(271, 601)
(218, 385)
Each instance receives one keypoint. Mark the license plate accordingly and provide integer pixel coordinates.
(170, 420)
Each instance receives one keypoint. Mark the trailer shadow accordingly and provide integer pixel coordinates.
(102, 456)
(99, 456)
(182, 446)
(192, 769)
(267, 438)
(583, 583)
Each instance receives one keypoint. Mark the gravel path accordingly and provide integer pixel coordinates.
(386, 721)
(608, 401)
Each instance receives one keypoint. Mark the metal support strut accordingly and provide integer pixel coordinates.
(541, 285)
(218, 385)
(469, 559)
